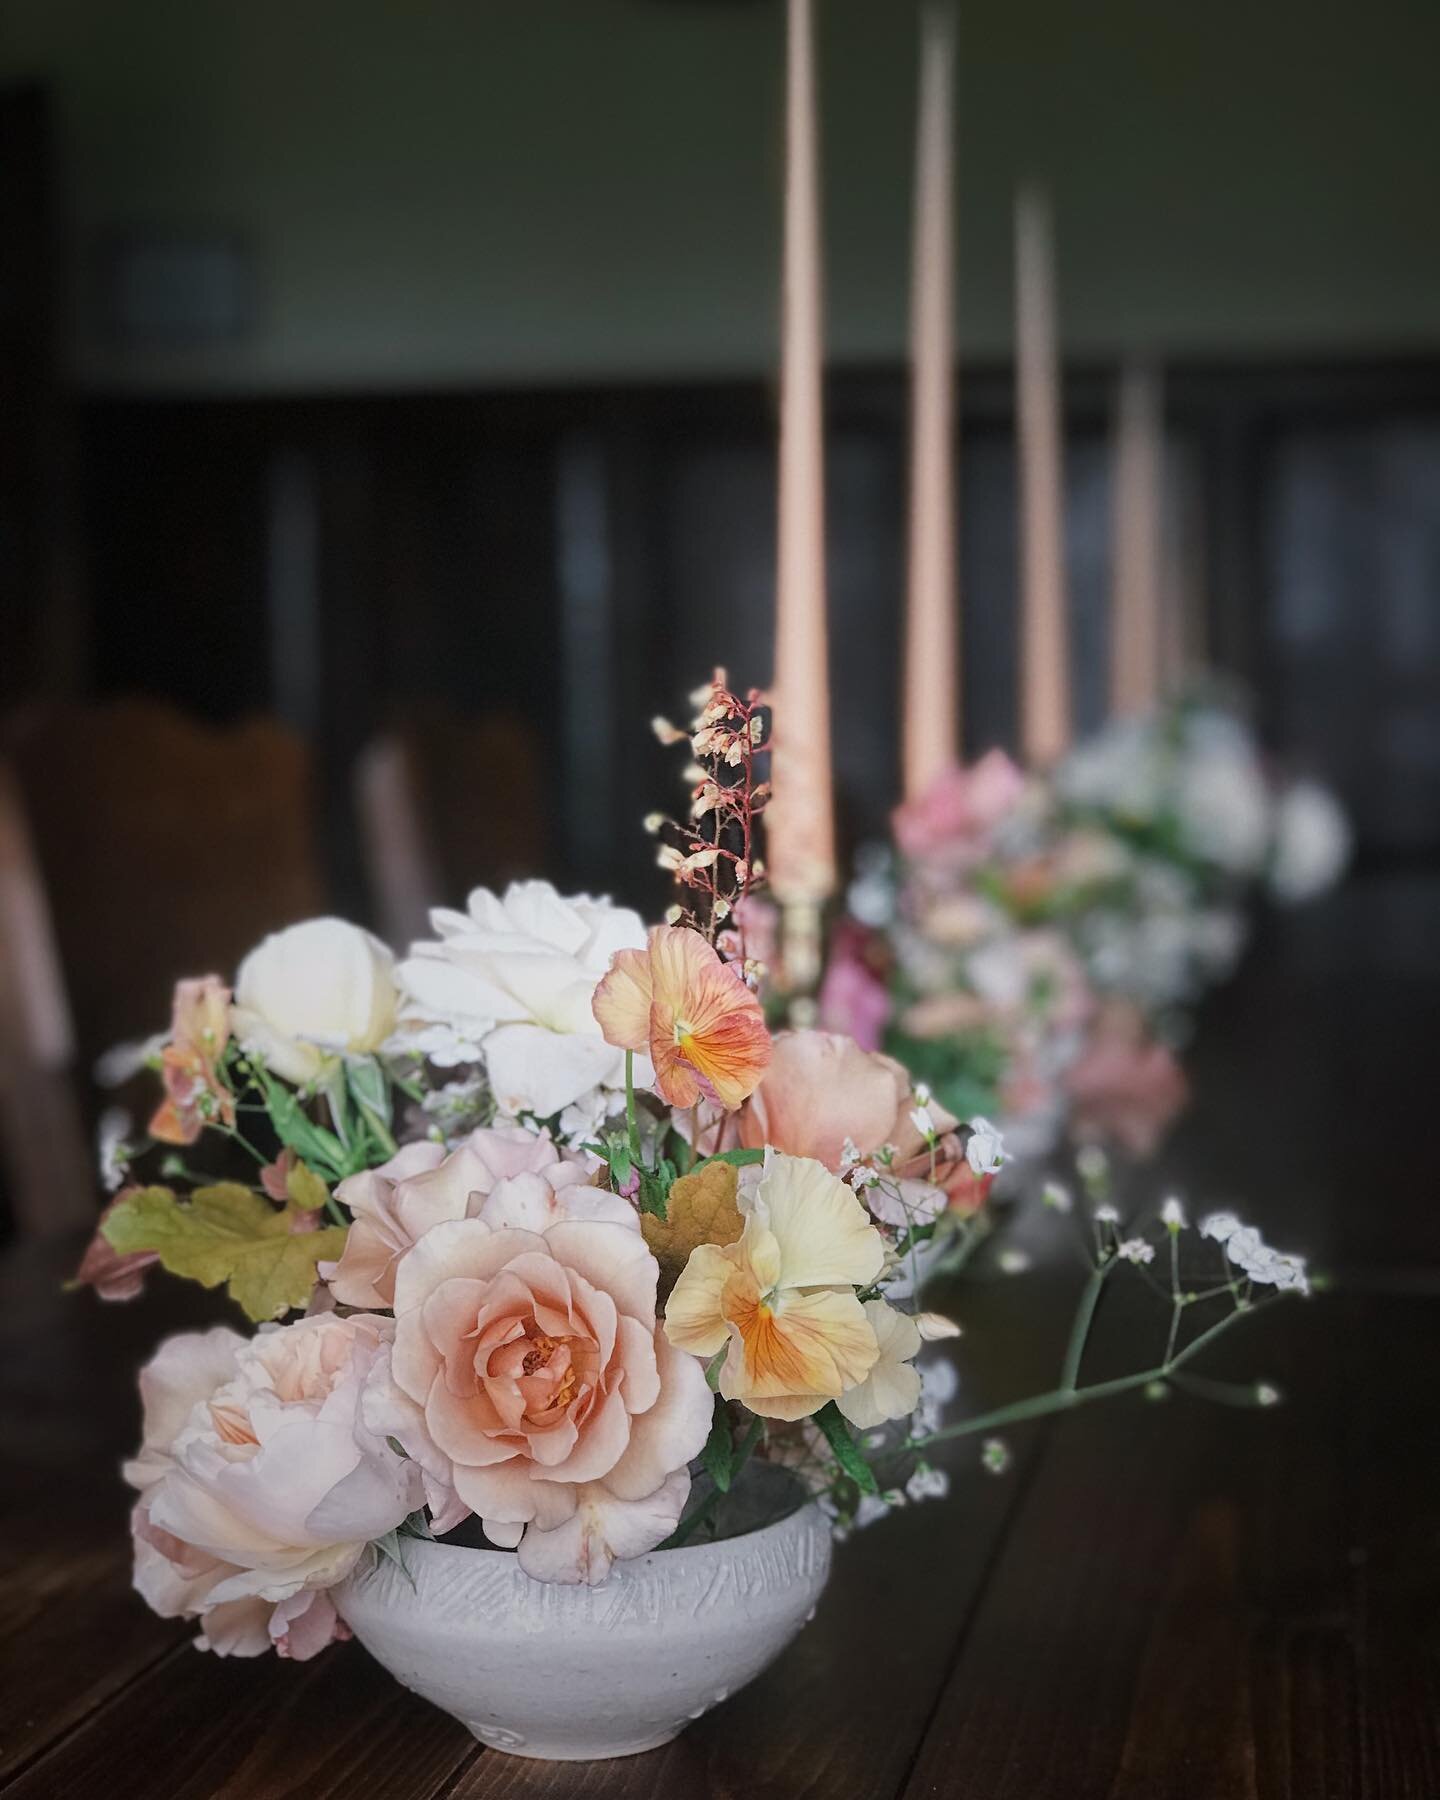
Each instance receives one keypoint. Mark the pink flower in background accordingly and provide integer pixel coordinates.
(424, 1185)
(755, 931)
(1125, 1086)
(530, 1380)
(189, 1063)
(959, 811)
(260, 1483)
(854, 999)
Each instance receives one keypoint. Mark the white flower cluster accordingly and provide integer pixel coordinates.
(1248, 1251)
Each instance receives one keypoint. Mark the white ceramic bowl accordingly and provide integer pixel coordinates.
(576, 1673)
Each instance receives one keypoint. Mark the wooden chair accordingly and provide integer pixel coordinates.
(48, 1171)
(447, 804)
(138, 846)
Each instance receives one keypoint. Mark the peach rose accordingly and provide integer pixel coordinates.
(528, 1376)
(821, 1090)
(259, 1482)
(424, 1185)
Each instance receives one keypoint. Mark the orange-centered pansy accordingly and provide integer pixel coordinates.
(782, 1297)
(691, 1013)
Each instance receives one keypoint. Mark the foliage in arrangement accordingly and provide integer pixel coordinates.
(1033, 947)
(545, 1226)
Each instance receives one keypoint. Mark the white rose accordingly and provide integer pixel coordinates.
(514, 976)
(314, 989)
(260, 1483)
(1312, 843)
(1224, 809)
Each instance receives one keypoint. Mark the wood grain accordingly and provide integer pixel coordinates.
(1160, 1602)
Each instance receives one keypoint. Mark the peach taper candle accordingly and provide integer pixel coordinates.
(801, 835)
(930, 705)
(1044, 606)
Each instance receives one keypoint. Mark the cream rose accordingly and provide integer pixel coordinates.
(259, 1482)
(509, 983)
(314, 990)
(424, 1185)
(528, 1375)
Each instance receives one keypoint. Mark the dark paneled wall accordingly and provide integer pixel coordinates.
(588, 555)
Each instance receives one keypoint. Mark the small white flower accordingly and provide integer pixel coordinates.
(995, 1455)
(985, 1152)
(870, 1511)
(922, 1094)
(1221, 1226)
(1265, 1395)
(1172, 1215)
(925, 1125)
(849, 1153)
(1249, 1252)
(1137, 1251)
(1092, 1162)
(934, 1326)
(939, 1381)
(1013, 1262)
(928, 1484)
(114, 1152)
(1057, 1197)
(861, 1176)
(1107, 1214)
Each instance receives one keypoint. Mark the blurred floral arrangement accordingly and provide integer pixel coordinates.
(1032, 947)
(544, 1226)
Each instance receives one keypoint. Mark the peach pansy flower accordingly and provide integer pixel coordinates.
(194, 1093)
(782, 1297)
(691, 1013)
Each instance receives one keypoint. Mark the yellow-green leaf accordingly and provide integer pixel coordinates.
(308, 1193)
(226, 1233)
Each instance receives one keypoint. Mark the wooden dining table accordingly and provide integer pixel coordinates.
(1157, 1599)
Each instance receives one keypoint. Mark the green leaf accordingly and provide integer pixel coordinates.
(390, 1548)
(226, 1233)
(655, 1186)
(307, 1192)
(718, 1455)
(310, 1142)
(838, 1435)
(739, 1159)
(369, 1086)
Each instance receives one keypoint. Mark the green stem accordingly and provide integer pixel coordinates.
(379, 1130)
(1063, 1399)
(631, 1127)
(1080, 1330)
(231, 1131)
(706, 1511)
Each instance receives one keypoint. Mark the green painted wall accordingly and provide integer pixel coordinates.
(494, 190)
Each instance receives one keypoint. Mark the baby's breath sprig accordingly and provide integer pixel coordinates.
(712, 852)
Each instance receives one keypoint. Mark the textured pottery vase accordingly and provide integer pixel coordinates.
(573, 1674)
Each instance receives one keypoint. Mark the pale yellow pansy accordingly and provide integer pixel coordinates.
(782, 1297)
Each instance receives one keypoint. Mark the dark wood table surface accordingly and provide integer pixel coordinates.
(1157, 1600)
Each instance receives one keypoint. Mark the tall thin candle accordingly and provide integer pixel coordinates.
(801, 836)
(931, 705)
(1138, 644)
(1045, 635)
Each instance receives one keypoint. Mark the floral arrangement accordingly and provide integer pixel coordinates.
(1033, 947)
(542, 1230)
